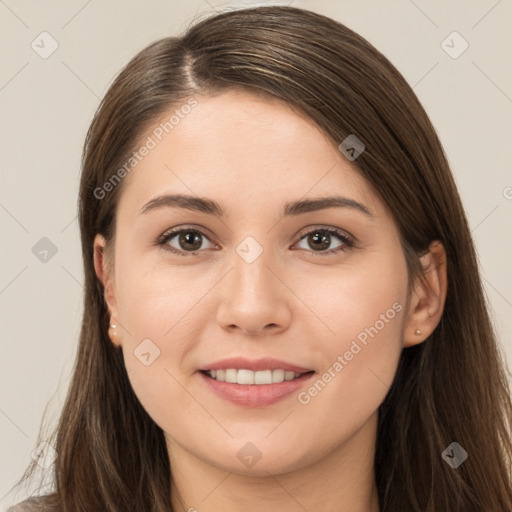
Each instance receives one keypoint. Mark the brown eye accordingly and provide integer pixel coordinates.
(183, 241)
(321, 239)
(190, 240)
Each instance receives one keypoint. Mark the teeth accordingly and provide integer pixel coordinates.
(278, 376)
(243, 376)
(231, 375)
(289, 375)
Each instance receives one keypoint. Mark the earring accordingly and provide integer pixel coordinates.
(112, 332)
(417, 331)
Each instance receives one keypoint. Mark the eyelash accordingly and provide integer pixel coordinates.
(347, 241)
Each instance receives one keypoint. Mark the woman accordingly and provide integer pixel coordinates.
(283, 309)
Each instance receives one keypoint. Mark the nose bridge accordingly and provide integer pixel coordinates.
(254, 297)
(251, 276)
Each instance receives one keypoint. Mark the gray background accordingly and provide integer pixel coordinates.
(47, 104)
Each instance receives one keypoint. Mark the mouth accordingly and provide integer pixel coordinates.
(258, 378)
(254, 389)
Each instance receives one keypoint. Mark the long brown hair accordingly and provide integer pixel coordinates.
(452, 387)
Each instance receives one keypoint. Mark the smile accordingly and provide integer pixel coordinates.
(254, 389)
(248, 377)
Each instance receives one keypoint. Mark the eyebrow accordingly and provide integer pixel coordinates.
(210, 207)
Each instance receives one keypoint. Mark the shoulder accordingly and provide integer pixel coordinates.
(33, 504)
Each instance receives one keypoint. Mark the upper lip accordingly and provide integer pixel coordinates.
(265, 363)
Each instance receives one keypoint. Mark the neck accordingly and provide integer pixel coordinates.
(342, 481)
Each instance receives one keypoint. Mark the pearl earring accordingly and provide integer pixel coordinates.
(417, 331)
(112, 326)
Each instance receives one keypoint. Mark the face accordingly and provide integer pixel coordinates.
(316, 292)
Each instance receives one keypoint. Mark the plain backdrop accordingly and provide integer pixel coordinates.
(47, 104)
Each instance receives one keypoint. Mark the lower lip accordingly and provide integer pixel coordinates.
(255, 395)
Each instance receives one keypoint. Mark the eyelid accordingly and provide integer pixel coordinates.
(331, 229)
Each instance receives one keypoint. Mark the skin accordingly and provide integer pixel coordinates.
(252, 155)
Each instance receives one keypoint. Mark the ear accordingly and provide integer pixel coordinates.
(428, 296)
(105, 275)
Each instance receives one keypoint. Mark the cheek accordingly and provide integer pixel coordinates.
(161, 391)
(155, 308)
(360, 356)
(149, 296)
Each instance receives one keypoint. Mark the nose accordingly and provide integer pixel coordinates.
(254, 298)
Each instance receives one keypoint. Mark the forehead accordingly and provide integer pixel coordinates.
(241, 149)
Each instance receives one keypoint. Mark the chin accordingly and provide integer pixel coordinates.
(260, 458)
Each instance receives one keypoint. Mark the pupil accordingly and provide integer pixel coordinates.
(189, 238)
(322, 238)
